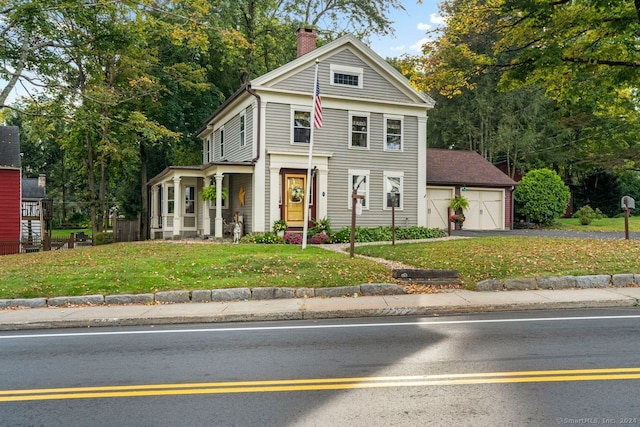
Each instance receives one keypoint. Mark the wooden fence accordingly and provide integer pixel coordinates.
(126, 230)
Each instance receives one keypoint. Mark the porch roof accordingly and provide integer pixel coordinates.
(201, 171)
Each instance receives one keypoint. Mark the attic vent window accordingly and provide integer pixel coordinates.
(342, 75)
(345, 79)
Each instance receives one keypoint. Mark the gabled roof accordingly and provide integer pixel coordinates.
(32, 190)
(10, 146)
(392, 75)
(466, 168)
(300, 63)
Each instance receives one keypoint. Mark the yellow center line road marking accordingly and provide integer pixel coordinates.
(311, 384)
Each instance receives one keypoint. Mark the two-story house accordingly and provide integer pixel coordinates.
(256, 148)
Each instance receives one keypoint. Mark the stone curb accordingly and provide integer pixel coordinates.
(266, 293)
(560, 282)
(215, 295)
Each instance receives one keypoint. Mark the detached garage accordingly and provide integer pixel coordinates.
(488, 189)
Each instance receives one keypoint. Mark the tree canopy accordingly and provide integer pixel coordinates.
(117, 89)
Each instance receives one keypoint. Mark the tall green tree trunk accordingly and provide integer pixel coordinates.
(92, 184)
(144, 212)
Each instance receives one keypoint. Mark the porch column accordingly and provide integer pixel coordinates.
(422, 172)
(276, 194)
(322, 210)
(218, 230)
(164, 208)
(206, 215)
(155, 191)
(177, 208)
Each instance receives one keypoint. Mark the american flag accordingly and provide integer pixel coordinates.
(317, 108)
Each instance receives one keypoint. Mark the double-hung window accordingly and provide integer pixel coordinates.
(190, 200)
(301, 126)
(359, 133)
(393, 189)
(222, 143)
(393, 133)
(171, 200)
(243, 119)
(359, 181)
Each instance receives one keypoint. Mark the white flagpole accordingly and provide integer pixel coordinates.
(307, 195)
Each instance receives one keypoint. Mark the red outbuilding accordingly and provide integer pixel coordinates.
(10, 191)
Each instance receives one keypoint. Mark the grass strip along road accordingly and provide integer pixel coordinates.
(144, 267)
(269, 386)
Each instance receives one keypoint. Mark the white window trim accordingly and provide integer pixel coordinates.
(243, 132)
(367, 194)
(359, 114)
(225, 202)
(195, 200)
(171, 189)
(343, 69)
(302, 109)
(392, 174)
(386, 128)
(221, 142)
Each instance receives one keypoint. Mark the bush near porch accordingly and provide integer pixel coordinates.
(362, 234)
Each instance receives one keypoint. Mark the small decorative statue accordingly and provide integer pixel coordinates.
(236, 233)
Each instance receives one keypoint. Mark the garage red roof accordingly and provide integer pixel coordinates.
(465, 168)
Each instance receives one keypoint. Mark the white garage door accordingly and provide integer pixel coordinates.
(486, 210)
(438, 200)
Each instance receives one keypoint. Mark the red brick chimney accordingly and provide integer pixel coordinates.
(306, 40)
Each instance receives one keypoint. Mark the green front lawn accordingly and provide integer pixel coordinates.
(144, 267)
(483, 258)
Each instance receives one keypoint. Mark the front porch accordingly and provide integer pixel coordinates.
(177, 210)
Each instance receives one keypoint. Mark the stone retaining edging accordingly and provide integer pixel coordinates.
(560, 282)
(199, 296)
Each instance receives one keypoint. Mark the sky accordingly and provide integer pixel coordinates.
(410, 28)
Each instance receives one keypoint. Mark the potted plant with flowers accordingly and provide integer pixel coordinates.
(458, 220)
(279, 227)
(458, 205)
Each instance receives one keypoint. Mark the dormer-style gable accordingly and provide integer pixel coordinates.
(350, 70)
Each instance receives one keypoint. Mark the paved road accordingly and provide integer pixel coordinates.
(530, 368)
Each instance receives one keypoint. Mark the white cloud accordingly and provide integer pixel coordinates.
(417, 46)
(437, 19)
(424, 27)
(401, 47)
